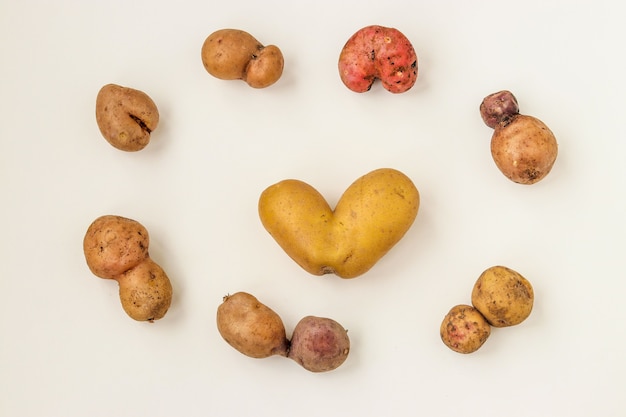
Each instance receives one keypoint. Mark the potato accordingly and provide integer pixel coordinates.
(251, 327)
(523, 147)
(231, 54)
(503, 296)
(145, 291)
(378, 52)
(464, 329)
(116, 248)
(372, 215)
(319, 344)
(126, 117)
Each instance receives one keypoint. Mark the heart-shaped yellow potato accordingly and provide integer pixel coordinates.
(372, 215)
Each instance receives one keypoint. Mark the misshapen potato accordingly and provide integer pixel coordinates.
(464, 329)
(126, 117)
(503, 296)
(251, 327)
(232, 54)
(319, 344)
(373, 214)
(378, 52)
(523, 147)
(116, 248)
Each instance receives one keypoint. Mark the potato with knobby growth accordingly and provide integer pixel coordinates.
(503, 296)
(116, 248)
(251, 327)
(378, 53)
(464, 329)
(126, 117)
(232, 54)
(319, 344)
(372, 215)
(523, 147)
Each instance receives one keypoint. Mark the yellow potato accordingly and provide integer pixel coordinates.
(372, 215)
(464, 329)
(503, 296)
(116, 248)
(251, 327)
(232, 54)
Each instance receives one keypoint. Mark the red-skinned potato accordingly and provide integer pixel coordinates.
(378, 52)
(319, 344)
(523, 147)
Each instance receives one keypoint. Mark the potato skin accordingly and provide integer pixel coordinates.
(373, 214)
(524, 149)
(503, 296)
(251, 327)
(114, 244)
(319, 344)
(116, 247)
(232, 54)
(126, 117)
(145, 291)
(378, 52)
(464, 329)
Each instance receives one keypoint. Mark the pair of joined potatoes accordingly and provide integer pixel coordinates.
(501, 297)
(318, 344)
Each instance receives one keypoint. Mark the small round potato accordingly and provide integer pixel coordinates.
(232, 54)
(503, 296)
(319, 344)
(115, 244)
(145, 291)
(126, 117)
(464, 329)
(251, 327)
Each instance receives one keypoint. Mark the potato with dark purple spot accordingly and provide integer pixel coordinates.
(319, 344)
(251, 327)
(523, 147)
(464, 329)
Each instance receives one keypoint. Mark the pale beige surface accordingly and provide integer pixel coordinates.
(68, 349)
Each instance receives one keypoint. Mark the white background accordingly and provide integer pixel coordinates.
(68, 349)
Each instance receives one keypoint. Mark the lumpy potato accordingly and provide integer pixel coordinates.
(233, 54)
(378, 53)
(126, 117)
(116, 247)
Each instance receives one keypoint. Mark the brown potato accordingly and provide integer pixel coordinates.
(116, 248)
(503, 296)
(231, 54)
(251, 327)
(126, 117)
(464, 329)
(115, 244)
(319, 344)
(145, 291)
(372, 215)
(523, 147)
